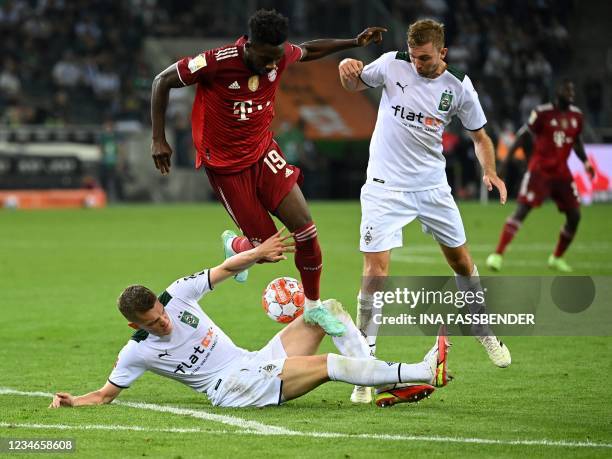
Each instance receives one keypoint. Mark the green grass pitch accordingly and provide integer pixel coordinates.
(61, 272)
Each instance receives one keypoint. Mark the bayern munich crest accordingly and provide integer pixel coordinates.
(272, 75)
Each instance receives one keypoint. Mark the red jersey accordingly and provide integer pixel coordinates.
(555, 132)
(233, 106)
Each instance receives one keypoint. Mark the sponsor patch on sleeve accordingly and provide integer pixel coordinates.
(533, 116)
(197, 63)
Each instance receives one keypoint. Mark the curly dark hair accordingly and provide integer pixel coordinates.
(134, 300)
(268, 27)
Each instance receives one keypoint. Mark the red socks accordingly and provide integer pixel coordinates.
(510, 229)
(565, 239)
(308, 259)
(241, 244)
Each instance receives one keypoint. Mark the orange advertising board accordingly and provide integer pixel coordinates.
(312, 91)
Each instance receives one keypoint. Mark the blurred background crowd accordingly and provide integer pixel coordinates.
(82, 62)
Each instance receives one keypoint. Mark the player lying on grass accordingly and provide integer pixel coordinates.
(176, 339)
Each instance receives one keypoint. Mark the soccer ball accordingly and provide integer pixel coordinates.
(283, 299)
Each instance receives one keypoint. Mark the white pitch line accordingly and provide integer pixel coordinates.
(272, 430)
(436, 260)
(386, 437)
(516, 247)
(108, 427)
(223, 419)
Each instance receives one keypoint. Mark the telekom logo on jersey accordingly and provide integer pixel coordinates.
(246, 107)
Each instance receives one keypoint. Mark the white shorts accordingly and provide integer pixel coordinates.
(252, 380)
(384, 213)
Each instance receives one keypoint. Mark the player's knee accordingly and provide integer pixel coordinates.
(375, 266)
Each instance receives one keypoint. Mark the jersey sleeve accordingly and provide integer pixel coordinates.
(197, 69)
(535, 121)
(129, 366)
(470, 111)
(373, 74)
(191, 287)
(293, 53)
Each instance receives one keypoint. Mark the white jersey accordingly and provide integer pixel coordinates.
(406, 146)
(195, 352)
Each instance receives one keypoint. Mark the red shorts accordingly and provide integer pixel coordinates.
(249, 196)
(536, 187)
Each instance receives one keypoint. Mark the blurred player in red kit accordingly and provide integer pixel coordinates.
(556, 128)
(231, 117)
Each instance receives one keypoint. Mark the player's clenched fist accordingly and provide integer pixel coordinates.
(350, 69)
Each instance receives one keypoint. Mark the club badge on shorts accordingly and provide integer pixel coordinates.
(367, 238)
(254, 83)
(445, 101)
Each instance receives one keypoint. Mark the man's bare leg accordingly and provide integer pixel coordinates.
(375, 271)
(467, 278)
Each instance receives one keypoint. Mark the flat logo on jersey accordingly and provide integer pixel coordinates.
(288, 172)
(403, 87)
(208, 338)
(189, 319)
(431, 124)
(254, 83)
(445, 101)
(234, 85)
(272, 75)
(197, 63)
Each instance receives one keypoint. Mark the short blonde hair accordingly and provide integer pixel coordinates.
(426, 31)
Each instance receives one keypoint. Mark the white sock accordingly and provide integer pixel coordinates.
(365, 306)
(472, 284)
(352, 343)
(372, 372)
(308, 304)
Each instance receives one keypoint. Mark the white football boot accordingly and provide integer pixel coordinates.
(498, 352)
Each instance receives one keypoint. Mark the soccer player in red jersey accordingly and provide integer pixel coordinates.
(231, 116)
(556, 128)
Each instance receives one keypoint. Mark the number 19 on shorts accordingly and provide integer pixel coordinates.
(274, 161)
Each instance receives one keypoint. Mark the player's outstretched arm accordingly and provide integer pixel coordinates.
(350, 71)
(271, 250)
(106, 394)
(581, 153)
(162, 84)
(522, 140)
(316, 49)
(486, 156)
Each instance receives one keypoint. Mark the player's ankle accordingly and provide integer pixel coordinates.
(309, 304)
